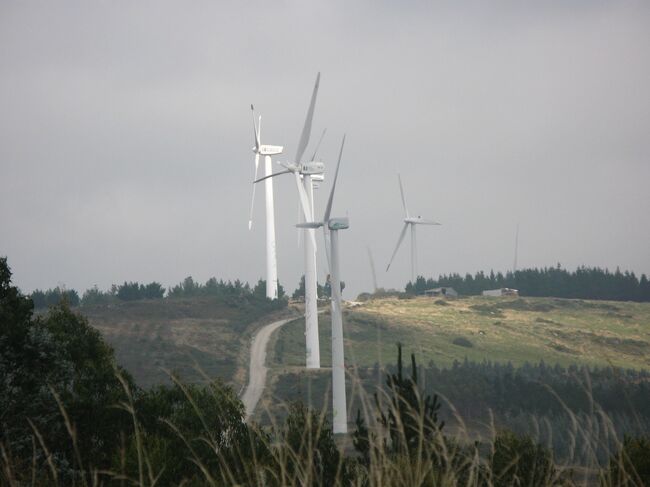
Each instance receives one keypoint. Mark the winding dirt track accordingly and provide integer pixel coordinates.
(257, 369)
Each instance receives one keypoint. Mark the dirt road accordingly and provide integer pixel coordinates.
(257, 369)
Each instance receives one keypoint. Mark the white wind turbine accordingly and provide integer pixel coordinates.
(271, 258)
(372, 269)
(411, 221)
(305, 175)
(331, 227)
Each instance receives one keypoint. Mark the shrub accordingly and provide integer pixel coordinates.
(517, 460)
(630, 466)
(185, 428)
(313, 454)
(462, 342)
(95, 297)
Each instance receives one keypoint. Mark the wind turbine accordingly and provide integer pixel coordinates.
(305, 175)
(372, 269)
(514, 267)
(332, 226)
(271, 258)
(411, 221)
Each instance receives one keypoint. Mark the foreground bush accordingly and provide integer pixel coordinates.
(49, 365)
(630, 466)
(517, 460)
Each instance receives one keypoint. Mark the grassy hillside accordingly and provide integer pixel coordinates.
(516, 330)
(177, 334)
(497, 329)
(151, 336)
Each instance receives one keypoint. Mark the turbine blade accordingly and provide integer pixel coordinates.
(286, 165)
(255, 129)
(427, 222)
(306, 130)
(272, 176)
(300, 219)
(310, 225)
(250, 216)
(328, 209)
(401, 190)
(328, 246)
(313, 157)
(304, 203)
(399, 242)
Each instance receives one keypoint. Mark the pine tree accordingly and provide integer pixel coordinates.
(410, 417)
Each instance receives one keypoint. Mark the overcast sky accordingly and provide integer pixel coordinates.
(125, 135)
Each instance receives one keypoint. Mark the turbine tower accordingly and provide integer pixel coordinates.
(331, 227)
(372, 269)
(271, 258)
(409, 221)
(305, 174)
(514, 267)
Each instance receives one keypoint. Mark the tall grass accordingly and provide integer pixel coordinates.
(396, 440)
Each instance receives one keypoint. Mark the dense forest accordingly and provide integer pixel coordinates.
(548, 402)
(478, 390)
(534, 388)
(583, 283)
(552, 404)
(131, 291)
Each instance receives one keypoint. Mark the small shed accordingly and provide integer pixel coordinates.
(504, 291)
(446, 292)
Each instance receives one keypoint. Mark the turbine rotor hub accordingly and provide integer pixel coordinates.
(340, 223)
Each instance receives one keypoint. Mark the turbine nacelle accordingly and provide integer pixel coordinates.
(316, 179)
(269, 150)
(341, 223)
(313, 168)
(335, 223)
(418, 220)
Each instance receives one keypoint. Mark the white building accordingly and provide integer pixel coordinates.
(504, 291)
(448, 292)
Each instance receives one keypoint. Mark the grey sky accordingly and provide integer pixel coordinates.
(125, 134)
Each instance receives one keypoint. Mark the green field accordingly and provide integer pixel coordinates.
(151, 337)
(518, 330)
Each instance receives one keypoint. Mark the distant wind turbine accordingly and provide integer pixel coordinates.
(514, 267)
(271, 258)
(412, 222)
(372, 270)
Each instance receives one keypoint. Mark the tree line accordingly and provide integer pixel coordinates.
(323, 291)
(133, 291)
(54, 296)
(187, 288)
(583, 283)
